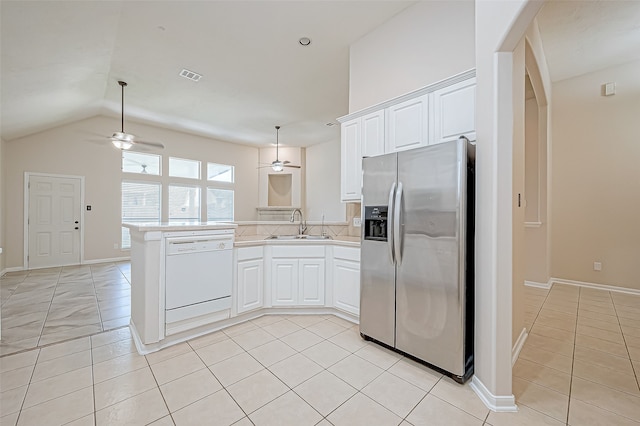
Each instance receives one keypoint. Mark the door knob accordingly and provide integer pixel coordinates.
(76, 227)
(76, 222)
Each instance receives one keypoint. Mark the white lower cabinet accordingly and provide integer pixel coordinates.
(250, 285)
(299, 280)
(249, 279)
(311, 282)
(284, 282)
(346, 279)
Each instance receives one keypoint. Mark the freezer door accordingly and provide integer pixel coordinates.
(430, 275)
(377, 271)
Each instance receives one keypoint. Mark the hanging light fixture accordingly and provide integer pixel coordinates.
(277, 165)
(122, 139)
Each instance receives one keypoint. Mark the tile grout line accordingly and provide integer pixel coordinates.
(573, 356)
(95, 295)
(53, 295)
(625, 344)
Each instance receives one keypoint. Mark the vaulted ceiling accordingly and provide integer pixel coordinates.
(61, 61)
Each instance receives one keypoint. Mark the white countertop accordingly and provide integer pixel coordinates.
(178, 226)
(255, 240)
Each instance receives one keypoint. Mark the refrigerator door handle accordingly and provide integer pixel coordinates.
(390, 216)
(397, 232)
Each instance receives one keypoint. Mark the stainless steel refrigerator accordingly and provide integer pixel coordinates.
(417, 267)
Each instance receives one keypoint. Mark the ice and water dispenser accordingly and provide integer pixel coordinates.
(375, 223)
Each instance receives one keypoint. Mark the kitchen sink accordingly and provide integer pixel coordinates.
(298, 237)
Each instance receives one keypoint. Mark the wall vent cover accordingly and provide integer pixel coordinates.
(191, 75)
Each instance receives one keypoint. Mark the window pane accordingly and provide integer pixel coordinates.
(184, 203)
(140, 203)
(179, 167)
(219, 204)
(219, 172)
(135, 162)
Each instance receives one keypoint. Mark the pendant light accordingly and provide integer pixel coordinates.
(277, 165)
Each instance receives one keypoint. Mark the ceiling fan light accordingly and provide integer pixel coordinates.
(277, 166)
(121, 144)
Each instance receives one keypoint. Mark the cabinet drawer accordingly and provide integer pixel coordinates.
(246, 253)
(297, 251)
(346, 253)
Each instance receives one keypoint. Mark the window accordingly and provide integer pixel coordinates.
(136, 162)
(219, 172)
(219, 204)
(184, 203)
(140, 203)
(182, 168)
(183, 200)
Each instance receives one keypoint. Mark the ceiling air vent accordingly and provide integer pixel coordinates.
(194, 76)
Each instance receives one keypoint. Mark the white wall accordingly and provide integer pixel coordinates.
(425, 43)
(500, 27)
(323, 183)
(3, 181)
(596, 178)
(81, 149)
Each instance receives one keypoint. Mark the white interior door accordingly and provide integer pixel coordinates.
(54, 213)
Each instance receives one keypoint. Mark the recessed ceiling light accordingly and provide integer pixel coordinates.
(304, 41)
(191, 75)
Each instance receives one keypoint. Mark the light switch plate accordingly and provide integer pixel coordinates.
(357, 221)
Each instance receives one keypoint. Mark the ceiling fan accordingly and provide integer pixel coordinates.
(123, 140)
(276, 164)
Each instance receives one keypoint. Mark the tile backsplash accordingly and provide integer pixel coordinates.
(353, 210)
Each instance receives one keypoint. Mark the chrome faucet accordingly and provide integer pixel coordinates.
(303, 226)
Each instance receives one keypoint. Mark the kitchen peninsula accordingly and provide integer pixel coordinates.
(191, 279)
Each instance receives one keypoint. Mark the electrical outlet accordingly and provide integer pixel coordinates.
(597, 266)
(116, 245)
(357, 221)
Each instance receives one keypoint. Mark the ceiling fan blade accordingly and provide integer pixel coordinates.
(155, 144)
(291, 165)
(286, 162)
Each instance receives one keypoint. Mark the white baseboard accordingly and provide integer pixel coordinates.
(595, 286)
(499, 404)
(515, 352)
(545, 286)
(109, 260)
(12, 269)
(86, 262)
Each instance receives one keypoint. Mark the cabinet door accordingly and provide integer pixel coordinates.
(250, 285)
(373, 134)
(454, 112)
(311, 282)
(408, 124)
(351, 161)
(346, 285)
(284, 282)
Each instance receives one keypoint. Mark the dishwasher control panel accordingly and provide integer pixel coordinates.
(194, 245)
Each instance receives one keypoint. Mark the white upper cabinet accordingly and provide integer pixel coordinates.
(408, 124)
(438, 113)
(351, 161)
(454, 112)
(373, 134)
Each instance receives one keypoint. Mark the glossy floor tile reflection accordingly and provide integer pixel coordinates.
(46, 306)
(316, 370)
(581, 361)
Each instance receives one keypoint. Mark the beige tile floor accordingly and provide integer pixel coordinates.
(307, 370)
(45, 306)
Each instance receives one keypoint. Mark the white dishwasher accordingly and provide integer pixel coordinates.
(198, 279)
